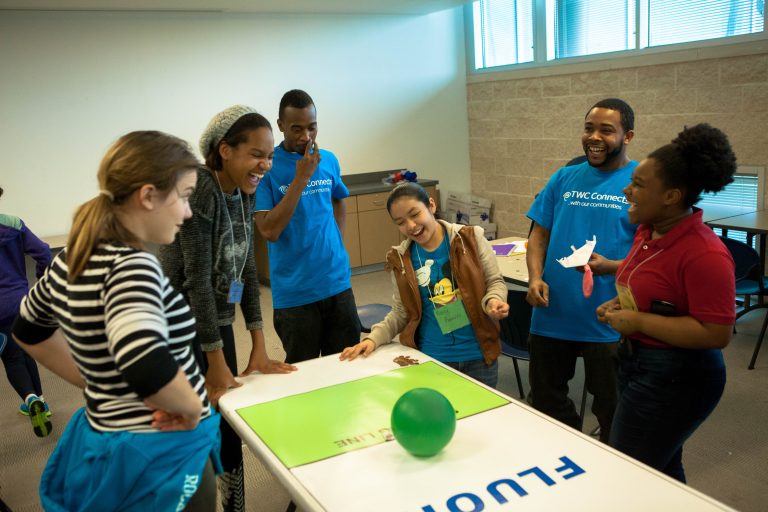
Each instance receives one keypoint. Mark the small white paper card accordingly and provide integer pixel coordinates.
(580, 256)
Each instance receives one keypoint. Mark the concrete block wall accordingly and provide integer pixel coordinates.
(523, 130)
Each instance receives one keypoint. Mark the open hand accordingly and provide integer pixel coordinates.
(364, 348)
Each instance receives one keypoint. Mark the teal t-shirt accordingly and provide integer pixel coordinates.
(580, 202)
(436, 284)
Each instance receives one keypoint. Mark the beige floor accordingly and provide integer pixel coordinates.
(726, 458)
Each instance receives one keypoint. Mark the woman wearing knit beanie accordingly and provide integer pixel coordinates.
(212, 263)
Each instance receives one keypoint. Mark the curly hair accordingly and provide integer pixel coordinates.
(699, 159)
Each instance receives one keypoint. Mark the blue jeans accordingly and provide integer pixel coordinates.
(664, 395)
(478, 370)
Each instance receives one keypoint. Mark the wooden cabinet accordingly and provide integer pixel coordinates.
(352, 232)
(377, 232)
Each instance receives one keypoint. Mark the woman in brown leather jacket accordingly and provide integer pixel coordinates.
(449, 294)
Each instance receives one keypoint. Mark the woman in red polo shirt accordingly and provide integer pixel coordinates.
(671, 373)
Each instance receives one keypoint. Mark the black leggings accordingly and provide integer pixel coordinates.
(20, 368)
(231, 444)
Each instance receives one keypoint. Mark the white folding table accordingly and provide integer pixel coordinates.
(510, 457)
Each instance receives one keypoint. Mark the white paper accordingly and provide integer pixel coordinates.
(580, 256)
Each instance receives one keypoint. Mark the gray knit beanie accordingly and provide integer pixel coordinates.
(220, 125)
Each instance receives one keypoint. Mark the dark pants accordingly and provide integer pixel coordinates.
(231, 482)
(553, 364)
(320, 328)
(20, 368)
(664, 395)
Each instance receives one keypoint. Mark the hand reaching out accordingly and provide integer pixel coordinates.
(364, 348)
(497, 309)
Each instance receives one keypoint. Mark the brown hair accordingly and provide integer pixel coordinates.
(135, 159)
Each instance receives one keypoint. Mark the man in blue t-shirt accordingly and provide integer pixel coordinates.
(300, 210)
(580, 202)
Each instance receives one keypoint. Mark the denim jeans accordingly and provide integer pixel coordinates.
(553, 365)
(478, 370)
(664, 395)
(320, 328)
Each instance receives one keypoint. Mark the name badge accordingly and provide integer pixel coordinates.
(452, 316)
(235, 292)
(626, 299)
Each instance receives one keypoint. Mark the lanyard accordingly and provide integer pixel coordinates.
(421, 264)
(629, 259)
(237, 276)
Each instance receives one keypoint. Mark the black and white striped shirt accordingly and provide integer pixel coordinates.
(128, 329)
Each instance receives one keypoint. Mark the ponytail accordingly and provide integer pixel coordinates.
(94, 221)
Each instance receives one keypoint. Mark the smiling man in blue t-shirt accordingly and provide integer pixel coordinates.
(579, 202)
(300, 210)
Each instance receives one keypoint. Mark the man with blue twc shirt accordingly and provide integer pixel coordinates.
(578, 203)
(300, 210)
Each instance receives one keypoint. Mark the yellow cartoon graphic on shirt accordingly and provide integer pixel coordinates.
(443, 292)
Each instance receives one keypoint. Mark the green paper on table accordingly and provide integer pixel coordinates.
(326, 422)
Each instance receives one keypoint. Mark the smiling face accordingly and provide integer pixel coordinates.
(171, 210)
(417, 221)
(604, 140)
(651, 202)
(244, 165)
(299, 127)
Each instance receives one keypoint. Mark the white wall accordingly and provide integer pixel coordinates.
(390, 91)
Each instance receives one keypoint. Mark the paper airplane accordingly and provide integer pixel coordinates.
(580, 256)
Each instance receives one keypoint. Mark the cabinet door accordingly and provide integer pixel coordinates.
(377, 235)
(352, 239)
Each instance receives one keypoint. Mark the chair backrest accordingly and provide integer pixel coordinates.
(514, 328)
(745, 258)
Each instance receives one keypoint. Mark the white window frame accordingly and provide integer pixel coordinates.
(679, 52)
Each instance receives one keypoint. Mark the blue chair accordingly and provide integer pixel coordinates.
(514, 341)
(371, 314)
(749, 281)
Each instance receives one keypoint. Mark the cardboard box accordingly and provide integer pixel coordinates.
(489, 231)
(468, 209)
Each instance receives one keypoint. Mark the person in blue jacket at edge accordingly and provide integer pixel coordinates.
(16, 242)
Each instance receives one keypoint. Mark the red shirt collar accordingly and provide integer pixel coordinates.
(645, 231)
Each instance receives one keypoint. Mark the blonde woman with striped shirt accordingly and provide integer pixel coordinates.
(105, 318)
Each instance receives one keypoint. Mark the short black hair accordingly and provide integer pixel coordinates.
(620, 106)
(700, 159)
(407, 189)
(237, 134)
(1, 191)
(295, 98)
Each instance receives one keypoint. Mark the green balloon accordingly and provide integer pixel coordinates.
(423, 421)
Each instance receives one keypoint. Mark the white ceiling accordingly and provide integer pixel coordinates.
(259, 6)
